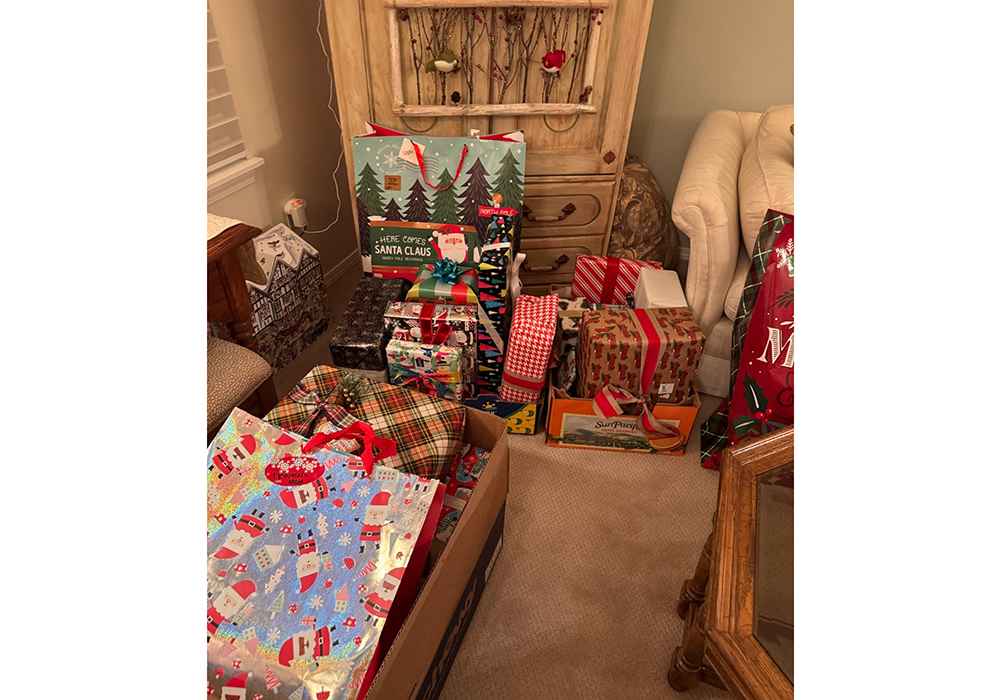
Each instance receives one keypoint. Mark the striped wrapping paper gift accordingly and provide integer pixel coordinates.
(529, 348)
(607, 280)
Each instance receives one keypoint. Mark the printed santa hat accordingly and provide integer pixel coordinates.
(285, 439)
(395, 576)
(381, 499)
(244, 589)
(238, 682)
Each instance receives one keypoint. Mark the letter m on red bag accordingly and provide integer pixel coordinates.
(777, 347)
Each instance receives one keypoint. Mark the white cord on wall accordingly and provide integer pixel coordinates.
(329, 104)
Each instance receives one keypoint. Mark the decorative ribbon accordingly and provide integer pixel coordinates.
(610, 280)
(428, 334)
(434, 383)
(446, 270)
(607, 404)
(423, 174)
(303, 396)
(361, 430)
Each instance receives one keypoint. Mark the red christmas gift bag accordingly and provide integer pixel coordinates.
(529, 348)
(764, 398)
(607, 280)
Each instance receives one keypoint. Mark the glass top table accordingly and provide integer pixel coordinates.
(774, 574)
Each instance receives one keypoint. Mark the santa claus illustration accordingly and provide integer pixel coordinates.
(377, 604)
(228, 604)
(308, 562)
(449, 242)
(375, 517)
(247, 527)
(308, 644)
(234, 457)
(300, 496)
(236, 687)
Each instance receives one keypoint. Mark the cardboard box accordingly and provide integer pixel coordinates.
(574, 423)
(421, 655)
(522, 418)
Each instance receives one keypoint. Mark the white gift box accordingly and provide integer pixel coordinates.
(658, 289)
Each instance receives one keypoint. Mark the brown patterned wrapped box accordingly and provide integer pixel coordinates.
(360, 339)
(647, 352)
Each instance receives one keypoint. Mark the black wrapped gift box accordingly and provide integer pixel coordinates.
(361, 336)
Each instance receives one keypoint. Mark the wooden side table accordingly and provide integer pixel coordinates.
(738, 605)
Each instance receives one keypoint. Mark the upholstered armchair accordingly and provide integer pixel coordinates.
(739, 165)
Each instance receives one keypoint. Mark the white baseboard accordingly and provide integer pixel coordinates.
(338, 270)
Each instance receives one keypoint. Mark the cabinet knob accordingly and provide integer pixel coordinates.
(567, 210)
(609, 157)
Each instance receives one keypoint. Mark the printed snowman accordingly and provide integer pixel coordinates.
(375, 517)
(228, 604)
(377, 604)
(308, 644)
(246, 529)
(449, 243)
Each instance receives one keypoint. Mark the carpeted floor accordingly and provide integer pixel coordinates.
(580, 603)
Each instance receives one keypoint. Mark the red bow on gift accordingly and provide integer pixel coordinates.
(358, 429)
(428, 333)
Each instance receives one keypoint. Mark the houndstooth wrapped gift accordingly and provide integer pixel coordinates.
(646, 352)
(438, 324)
(435, 370)
(314, 560)
(529, 348)
(428, 431)
(360, 338)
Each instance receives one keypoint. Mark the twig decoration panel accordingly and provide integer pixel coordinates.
(491, 58)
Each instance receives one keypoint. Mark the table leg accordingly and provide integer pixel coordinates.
(685, 673)
(693, 591)
(239, 301)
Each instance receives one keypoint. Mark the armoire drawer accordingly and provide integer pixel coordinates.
(576, 206)
(552, 261)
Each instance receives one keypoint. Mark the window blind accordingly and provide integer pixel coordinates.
(225, 142)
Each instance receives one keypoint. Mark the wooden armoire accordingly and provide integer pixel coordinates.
(576, 119)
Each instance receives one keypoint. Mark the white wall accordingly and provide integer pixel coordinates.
(703, 55)
(280, 85)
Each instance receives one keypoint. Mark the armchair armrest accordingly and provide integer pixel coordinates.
(706, 210)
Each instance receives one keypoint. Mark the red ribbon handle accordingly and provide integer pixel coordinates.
(358, 429)
(428, 333)
(423, 174)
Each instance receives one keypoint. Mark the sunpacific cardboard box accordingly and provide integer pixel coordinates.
(522, 418)
(421, 656)
(574, 423)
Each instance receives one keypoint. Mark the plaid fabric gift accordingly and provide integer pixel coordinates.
(607, 280)
(305, 413)
(438, 324)
(715, 430)
(427, 431)
(430, 369)
(529, 348)
(438, 283)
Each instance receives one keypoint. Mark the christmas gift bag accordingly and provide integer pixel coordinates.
(567, 341)
(762, 382)
(314, 559)
(438, 324)
(430, 369)
(532, 331)
(359, 341)
(409, 186)
(649, 353)
(607, 280)
(495, 278)
(428, 431)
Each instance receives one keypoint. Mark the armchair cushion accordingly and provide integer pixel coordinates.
(767, 172)
(234, 373)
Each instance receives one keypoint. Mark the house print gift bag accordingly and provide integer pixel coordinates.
(314, 559)
(425, 198)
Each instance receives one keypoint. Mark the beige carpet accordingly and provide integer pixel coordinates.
(580, 603)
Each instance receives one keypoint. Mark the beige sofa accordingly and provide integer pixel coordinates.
(739, 165)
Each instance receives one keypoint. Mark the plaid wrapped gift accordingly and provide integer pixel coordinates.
(360, 338)
(427, 286)
(427, 431)
(607, 280)
(429, 322)
(646, 352)
(430, 369)
(529, 350)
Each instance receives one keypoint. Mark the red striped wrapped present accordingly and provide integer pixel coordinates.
(607, 280)
(529, 348)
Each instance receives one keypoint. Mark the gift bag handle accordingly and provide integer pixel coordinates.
(358, 429)
(423, 173)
